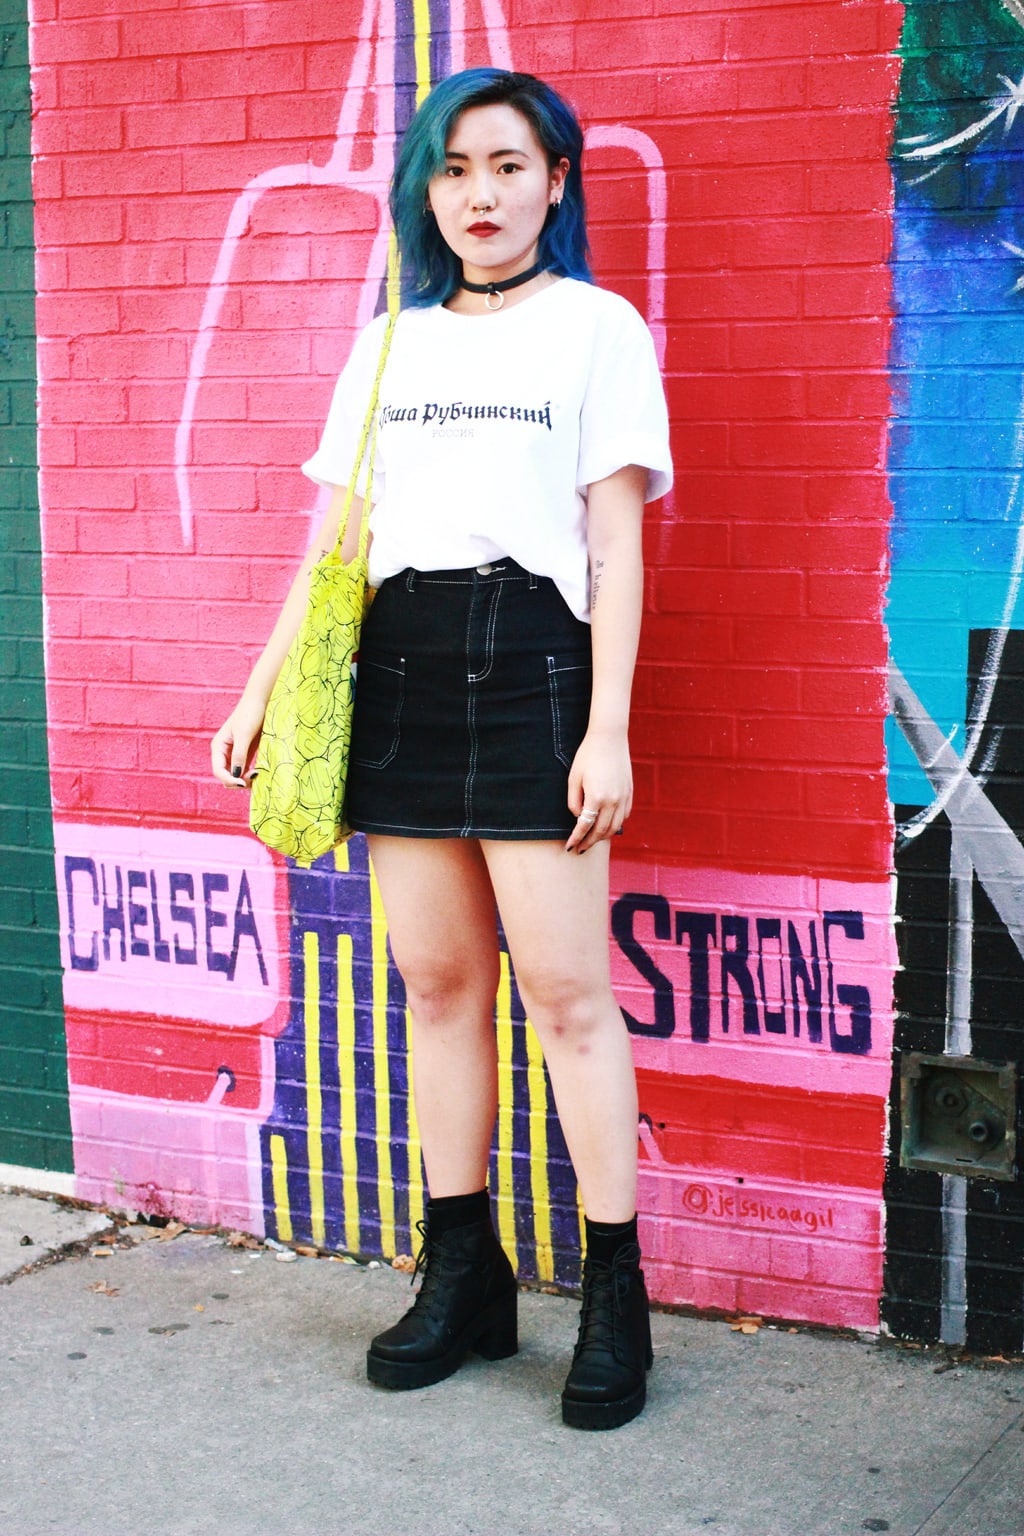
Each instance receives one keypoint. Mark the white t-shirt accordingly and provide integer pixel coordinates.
(491, 428)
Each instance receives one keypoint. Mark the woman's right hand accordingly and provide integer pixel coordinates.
(234, 747)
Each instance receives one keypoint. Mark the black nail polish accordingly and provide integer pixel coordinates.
(236, 772)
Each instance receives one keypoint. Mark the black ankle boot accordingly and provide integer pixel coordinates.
(607, 1384)
(467, 1301)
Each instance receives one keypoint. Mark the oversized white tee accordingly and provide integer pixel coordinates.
(491, 427)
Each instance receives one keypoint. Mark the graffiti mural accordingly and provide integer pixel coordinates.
(237, 1031)
(956, 625)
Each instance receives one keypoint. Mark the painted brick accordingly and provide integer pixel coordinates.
(117, 83)
(193, 122)
(802, 31)
(258, 72)
(779, 481)
(67, 40)
(141, 172)
(188, 31)
(101, 129)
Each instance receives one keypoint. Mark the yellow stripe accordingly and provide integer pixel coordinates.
(421, 47)
(341, 864)
(347, 1084)
(539, 1186)
(415, 1155)
(506, 1098)
(279, 1176)
(381, 1072)
(314, 1096)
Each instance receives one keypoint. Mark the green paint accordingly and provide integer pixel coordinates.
(35, 1126)
(953, 54)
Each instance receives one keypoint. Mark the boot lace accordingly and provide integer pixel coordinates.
(428, 1265)
(605, 1287)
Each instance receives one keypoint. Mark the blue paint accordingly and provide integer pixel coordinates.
(958, 374)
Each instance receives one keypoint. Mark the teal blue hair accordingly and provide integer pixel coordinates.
(430, 268)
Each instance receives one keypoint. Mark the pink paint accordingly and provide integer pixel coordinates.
(860, 955)
(179, 924)
(198, 1162)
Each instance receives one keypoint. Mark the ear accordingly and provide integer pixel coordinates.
(557, 179)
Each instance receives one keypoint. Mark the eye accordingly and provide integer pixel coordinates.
(453, 170)
(510, 166)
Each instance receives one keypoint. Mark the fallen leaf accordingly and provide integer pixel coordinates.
(306, 1251)
(405, 1262)
(241, 1240)
(103, 1289)
(199, 1307)
(102, 1253)
(173, 1229)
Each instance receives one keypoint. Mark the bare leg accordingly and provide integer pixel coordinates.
(441, 921)
(554, 908)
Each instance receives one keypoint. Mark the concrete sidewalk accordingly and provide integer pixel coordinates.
(178, 1386)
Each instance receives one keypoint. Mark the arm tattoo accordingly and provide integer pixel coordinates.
(595, 583)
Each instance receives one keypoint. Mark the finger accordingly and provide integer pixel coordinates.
(220, 758)
(590, 820)
(585, 820)
(607, 824)
(575, 796)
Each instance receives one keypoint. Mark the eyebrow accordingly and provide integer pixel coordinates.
(497, 154)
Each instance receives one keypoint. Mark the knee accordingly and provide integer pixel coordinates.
(440, 988)
(566, 1014)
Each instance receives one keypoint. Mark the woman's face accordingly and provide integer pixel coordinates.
(492, 198)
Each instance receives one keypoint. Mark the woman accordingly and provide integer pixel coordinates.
(521, 428)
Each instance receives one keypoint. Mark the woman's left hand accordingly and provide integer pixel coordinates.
(600, 789)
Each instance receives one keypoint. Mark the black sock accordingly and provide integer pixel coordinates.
(452, 1211)
(606, 1239)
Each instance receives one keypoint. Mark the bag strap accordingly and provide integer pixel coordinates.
(369, 432)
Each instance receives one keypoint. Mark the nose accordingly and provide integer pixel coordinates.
(482, 195)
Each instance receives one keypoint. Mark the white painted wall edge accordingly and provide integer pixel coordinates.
(38, 1180)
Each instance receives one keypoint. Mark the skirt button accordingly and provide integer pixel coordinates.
(484, 570)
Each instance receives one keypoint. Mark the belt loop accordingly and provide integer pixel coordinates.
(533, 581)
(410, 576)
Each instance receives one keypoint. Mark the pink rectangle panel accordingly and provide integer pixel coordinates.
(774, 979)
(173, 923)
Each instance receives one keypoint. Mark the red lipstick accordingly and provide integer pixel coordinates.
(483, 229)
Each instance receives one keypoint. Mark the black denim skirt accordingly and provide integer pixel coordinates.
(472, 696)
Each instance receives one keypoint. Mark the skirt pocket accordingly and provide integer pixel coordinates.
(569, 688)
(377, 725)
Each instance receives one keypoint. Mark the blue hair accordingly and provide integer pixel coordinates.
(430, 268)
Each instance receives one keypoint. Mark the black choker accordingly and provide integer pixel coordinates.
(498, 290)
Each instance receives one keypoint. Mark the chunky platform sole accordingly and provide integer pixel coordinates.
(603, 1415)
(494, 1334)
(580, 1415)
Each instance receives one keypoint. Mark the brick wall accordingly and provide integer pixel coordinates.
(34, 1128)
(956, 1242)
(209, 187)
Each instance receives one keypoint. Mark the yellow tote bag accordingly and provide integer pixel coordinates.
(297, 801)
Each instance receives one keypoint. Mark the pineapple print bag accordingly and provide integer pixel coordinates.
(297, 802)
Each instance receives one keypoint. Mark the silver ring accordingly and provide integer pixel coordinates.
(588, 815)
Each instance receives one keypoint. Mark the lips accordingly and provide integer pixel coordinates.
(483, 229)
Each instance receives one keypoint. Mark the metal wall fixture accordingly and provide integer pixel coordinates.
(959, 1115)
